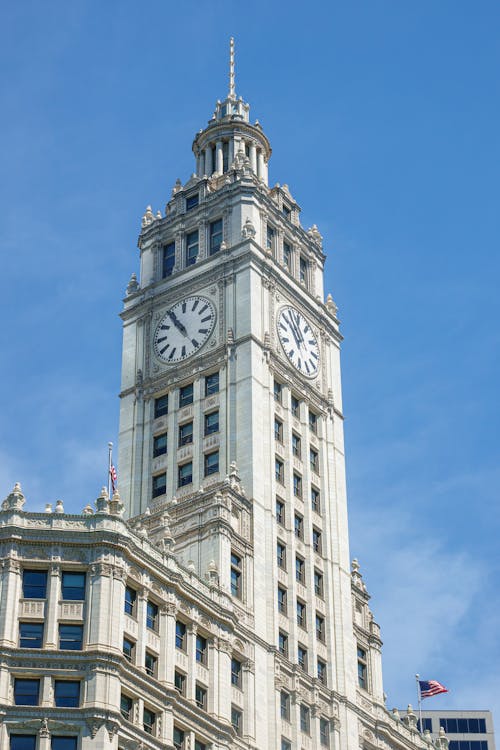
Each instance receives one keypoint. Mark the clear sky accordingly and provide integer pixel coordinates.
(384, 120)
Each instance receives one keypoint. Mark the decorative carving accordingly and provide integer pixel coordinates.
(15, 500)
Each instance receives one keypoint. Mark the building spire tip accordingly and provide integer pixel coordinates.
(232, 88)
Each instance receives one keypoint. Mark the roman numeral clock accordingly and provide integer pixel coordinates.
(184, 329)
(298, 341)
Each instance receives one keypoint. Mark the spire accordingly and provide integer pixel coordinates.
(232, 88)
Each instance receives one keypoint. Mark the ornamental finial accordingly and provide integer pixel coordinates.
(232, 89)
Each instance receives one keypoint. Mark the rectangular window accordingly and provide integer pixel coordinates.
(211, 423)
(279, 471)
(185, 434)
(316, 540)
(321, 671)
(201, 649)
(200, 696)
(295, 406)
(278, 430)
(286, 211)
(236, 575)
(270, 238)
(361, 667)
(303, 271)
(159, 445)
(427, 724)
(314, 460)
(320, 628)
(199, 745)
(73, 586)
(318, 583)
(296, 445)
(191, 248)
(315, 500)
(180, 682)
(70, 637)
(180, 635)
(283, 643)
(282, 597)
(178, 739)
(212, 384)
(168, 259)
(297, 485)
(299, 526)
(126, 705)
(30, 634)
(22, 742)
(215, 236)
(301, 614)
(305, 720)
(159, 484)
(192, 201)
(237, 720)
(26, 692)
(148, 720)
(313, 422)
(280, 512)
(285, 744)
(278, 392)
(285, 705)
(185, 396)
(161, 406)
(67, 693)
(150, 664)
(324, 732)
(300, 570)
(211, 463)
(152, 615)
(185, 474)
(287, 255)
(235, 672)
(129, 650)
(34, 584)
(302, 657)
(281, 555)
(63, 743)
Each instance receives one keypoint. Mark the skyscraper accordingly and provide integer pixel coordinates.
(224, 612)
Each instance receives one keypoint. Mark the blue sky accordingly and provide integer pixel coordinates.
(384, 120)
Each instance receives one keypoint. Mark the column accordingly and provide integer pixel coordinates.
(213, 688)
(169, 646)
(231, 152)
(162, 656)
(117, 613)
(99, 619)
(249, 693)
(225, 654)
(218, 157)
(11, 591)
(52, 613)
(253, 156)
(198, 165)
(191, 631)
(265, 175)
(44, 736)
(208, 161)
(140, 646)
(260, 164)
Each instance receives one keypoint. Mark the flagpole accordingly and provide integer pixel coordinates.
(419, 696)
(110, 463)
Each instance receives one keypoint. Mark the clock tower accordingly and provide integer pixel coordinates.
(231, 426)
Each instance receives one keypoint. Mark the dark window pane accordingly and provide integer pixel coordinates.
(191, 248)
(159, 484)
(192, 201)
(161, 406)
(151, 615)
(211, 463)
(126, 705)
(34, 584)
(186, 395)
(22, 742)
(67, 693)
(185, 474)
(180, 635)
(130, 600)
(212, 384)
(30, 634)
(168, 259)
(26, 692)
(211, 423)
(70, 637)
(215, 236)
(160, 445)
(73, 586)
(64, 743)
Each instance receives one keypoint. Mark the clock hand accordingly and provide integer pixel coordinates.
(177, 323)
(298, 329)
(295, 330)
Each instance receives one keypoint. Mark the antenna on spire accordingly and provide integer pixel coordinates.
(232, 89)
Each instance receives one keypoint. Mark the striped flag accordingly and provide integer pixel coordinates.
(112, 474)
(428, 688)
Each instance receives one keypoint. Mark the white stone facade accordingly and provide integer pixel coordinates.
(224, 612)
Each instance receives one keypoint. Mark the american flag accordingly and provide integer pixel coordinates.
(112, 474)
(428, 688)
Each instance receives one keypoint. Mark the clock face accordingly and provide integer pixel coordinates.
(184, 329)
(298, 341)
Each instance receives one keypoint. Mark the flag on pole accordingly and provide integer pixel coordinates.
(428, 688)
(112, 474)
